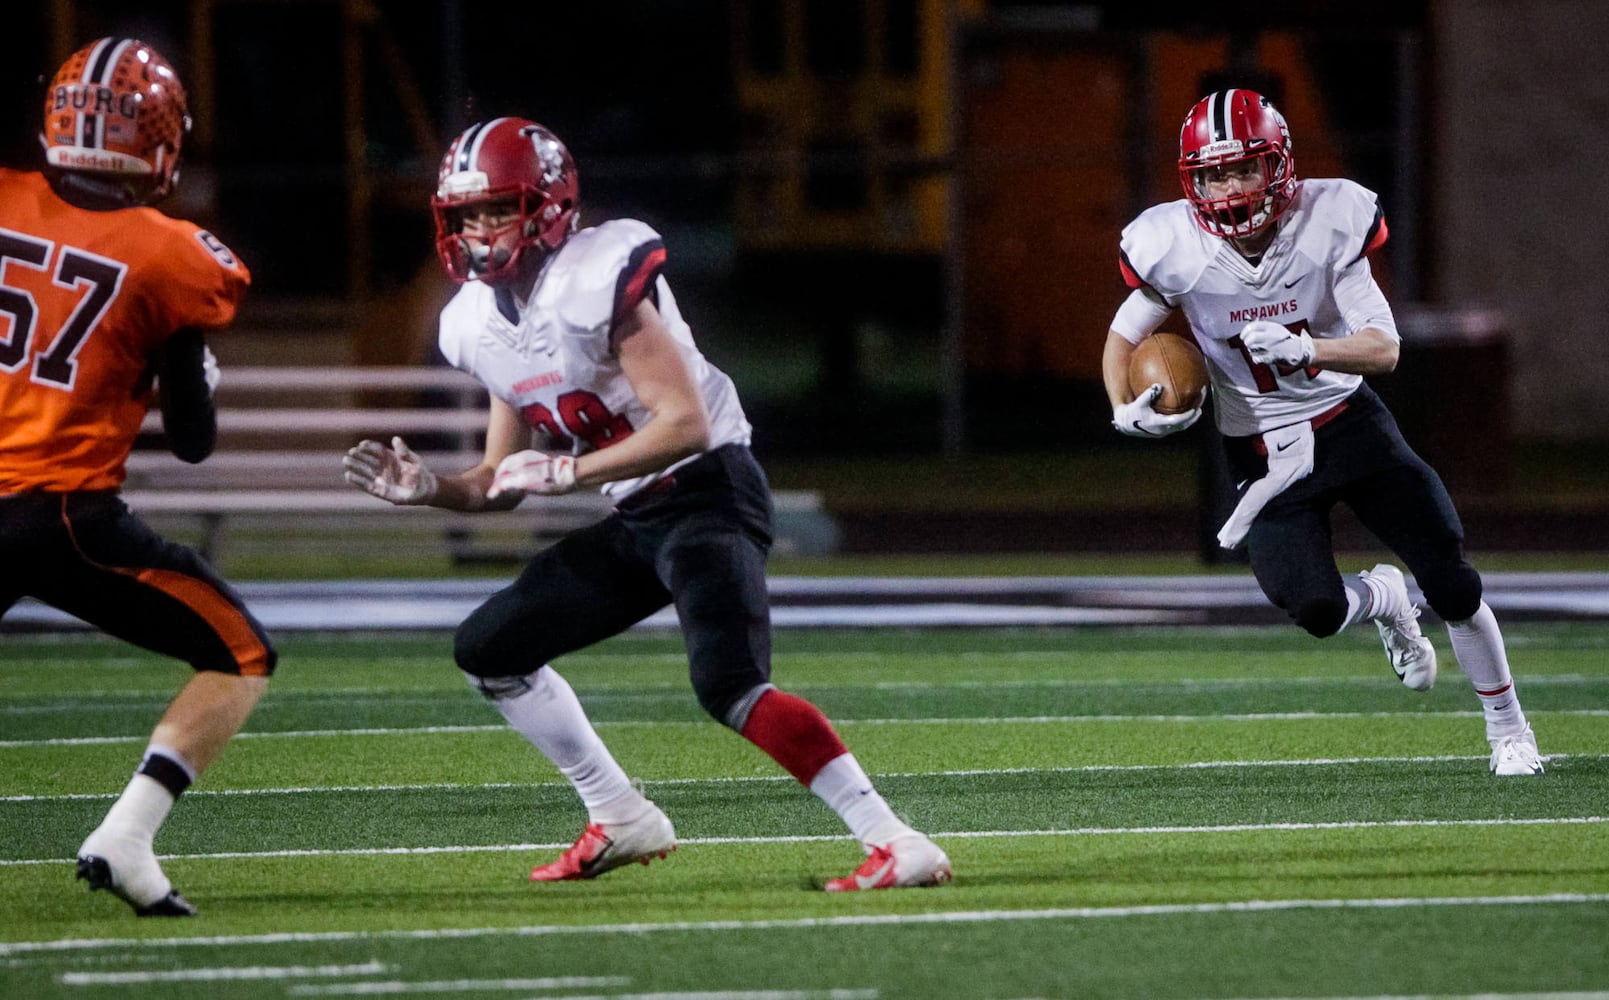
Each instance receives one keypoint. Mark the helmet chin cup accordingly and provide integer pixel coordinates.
(1236, 216)
(489, 263)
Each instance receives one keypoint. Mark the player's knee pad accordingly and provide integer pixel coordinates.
(1321, 617)
(736, 714)
(498, 688)
(726, 698)
(1454, 595)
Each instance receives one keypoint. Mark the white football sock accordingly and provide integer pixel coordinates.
(844, 787)
(551, 717)
(1478, 644)
(138, 812)
(1359, 599)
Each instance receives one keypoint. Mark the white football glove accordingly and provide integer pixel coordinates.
(209, 369)
(1139, 418)
(533, 472)
(1271, 344)
(395, 473)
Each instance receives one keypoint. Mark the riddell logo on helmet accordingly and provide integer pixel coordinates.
(93, 100)
(1224, 147)
(79, 158)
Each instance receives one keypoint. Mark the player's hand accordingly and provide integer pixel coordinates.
(395, 473)
(1139, 418)
(533, 472)
(210, 370)
(1271, 344)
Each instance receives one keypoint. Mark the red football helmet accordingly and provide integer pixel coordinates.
(508, 159)
(116, 113)
(1236, 126)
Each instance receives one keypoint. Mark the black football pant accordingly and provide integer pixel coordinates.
(1361, 460)
(87, 554)
(699, 541)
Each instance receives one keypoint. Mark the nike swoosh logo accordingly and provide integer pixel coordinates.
(595, 864)
(1282, 447)
(875, 879)
(1293, 284)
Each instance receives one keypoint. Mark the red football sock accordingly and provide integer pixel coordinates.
(794, 733)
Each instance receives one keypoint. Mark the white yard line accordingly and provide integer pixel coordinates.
(806, 923)
(225, 974)
(450, 786)
(676, 690)
(815, 839)
(394, 987)
(1025, 720)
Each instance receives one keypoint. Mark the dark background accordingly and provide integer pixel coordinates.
(847, 329)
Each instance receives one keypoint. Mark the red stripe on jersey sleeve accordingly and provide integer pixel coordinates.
(637, 280)
(1381, 234)
(1131, 277)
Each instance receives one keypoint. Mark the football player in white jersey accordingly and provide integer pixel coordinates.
(1272, 274)
(577, 336)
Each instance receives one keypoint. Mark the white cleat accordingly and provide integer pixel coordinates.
(1412, 657)
(908, 861)
(127, 867)
(1516, 754)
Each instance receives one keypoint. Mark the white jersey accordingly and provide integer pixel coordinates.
(557, 366)
(1313, 276)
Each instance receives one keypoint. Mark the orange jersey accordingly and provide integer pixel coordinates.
(87, 299)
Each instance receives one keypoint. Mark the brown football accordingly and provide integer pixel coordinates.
(1176, 363)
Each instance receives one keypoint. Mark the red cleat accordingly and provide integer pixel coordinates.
(604, 846)
(908, 861)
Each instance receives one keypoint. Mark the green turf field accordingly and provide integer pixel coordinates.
(1130, 812)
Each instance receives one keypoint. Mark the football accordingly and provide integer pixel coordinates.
(1176, 363)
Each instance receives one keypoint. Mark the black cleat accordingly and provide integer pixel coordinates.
(95, 870)
(171, 905)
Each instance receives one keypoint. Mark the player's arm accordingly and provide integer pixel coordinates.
(678, 425)
(1115, 368)
(653, 364)
(185, 381)
(395, 473)
(1139, 316)
(1371, 349)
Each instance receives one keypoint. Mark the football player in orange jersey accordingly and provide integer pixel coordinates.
(104, 303)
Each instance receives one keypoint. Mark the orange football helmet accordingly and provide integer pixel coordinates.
(116, 111)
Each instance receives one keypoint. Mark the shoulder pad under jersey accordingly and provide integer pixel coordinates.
(1165, 249)
(601, 273)
(1341, 220)
(460, 323)
(202, 281)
